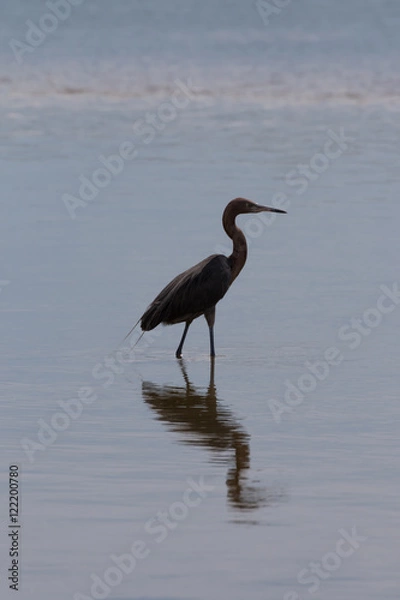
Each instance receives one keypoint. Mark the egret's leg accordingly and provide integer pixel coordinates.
(212, 347)
(178, 353)
(210, 318)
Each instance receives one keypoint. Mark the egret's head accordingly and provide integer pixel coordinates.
(243, 206)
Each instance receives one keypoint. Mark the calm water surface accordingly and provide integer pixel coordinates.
(272, 473)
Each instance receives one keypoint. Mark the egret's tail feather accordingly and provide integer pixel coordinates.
(152, 317)
(128, 334)
(138, 340)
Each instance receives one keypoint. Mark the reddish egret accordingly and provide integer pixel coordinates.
(195, 292)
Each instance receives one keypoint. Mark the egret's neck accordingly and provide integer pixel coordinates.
(238, 257)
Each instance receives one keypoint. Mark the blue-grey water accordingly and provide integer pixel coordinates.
(126, 127)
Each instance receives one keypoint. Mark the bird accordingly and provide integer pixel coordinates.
(197, 290)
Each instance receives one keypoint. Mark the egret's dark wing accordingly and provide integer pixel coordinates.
(190, 294)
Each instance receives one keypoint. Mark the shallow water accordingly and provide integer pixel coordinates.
(246, 478)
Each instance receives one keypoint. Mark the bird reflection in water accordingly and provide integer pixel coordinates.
(199, 419)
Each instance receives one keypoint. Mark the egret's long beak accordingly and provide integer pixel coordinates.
(259, 208)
